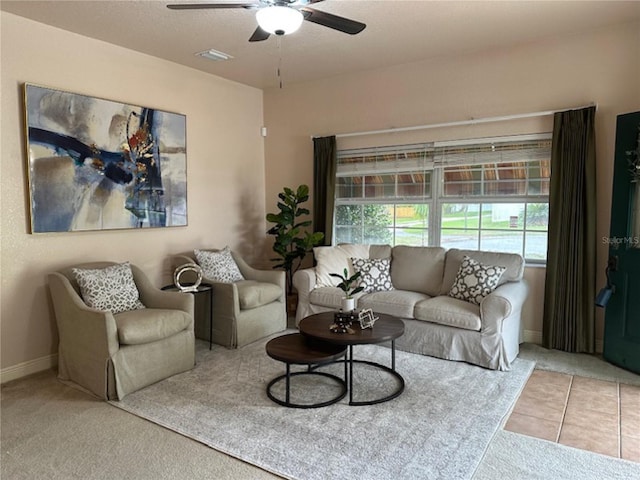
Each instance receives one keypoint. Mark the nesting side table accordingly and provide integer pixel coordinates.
(296, 349)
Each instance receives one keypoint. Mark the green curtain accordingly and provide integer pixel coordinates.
(569, 310)
(325, 161)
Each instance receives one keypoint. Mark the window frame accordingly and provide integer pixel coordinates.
(436, 198)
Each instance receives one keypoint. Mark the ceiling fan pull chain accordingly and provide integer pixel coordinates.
(279, 45)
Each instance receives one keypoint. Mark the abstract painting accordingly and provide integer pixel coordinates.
(96, 164)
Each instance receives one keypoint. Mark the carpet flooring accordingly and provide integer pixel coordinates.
(439, 428)
(519, 457)
(581, 364)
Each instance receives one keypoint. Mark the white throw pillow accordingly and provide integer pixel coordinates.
(375, 274)
(218, 266)
(111, 288)
(335, 260)
(475, 281)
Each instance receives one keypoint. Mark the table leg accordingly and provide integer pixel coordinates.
(393, 355)
(350, 386)
(345, 369)
(288, 384)
(210, 318)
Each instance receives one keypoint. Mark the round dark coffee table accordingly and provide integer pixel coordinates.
(297, 349)
(387, 328)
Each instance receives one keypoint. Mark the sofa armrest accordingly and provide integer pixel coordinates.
(276, 277)
(179, 260)
(502, 303)
(153, 297)
(304, 281)
(88, 338)
(80, 324)
(226, 298)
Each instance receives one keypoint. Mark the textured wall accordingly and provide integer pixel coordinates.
(598, 66)
(225, 170)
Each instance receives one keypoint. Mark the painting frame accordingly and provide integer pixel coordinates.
(95, 164)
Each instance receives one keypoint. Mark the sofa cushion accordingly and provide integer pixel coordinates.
(335, 260)
(449, 311)
(475, 281)
(400, 303)
(375, 274)
(150, 325)
(418, 269)
(513, 263)
(111, 288)
(330, 297)
(252, 294)
(379, 251)
(219, 266)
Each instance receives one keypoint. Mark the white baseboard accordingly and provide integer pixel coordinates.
(27, 368)
(534, 336)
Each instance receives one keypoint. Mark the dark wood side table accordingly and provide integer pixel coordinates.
(203, 288)
(298, 350)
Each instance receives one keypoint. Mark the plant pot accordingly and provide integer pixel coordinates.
(348, 304)
(292, 304)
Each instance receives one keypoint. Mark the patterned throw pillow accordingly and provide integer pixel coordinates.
(375, 274)
(111, 288)
(219, 266)
(475, 281)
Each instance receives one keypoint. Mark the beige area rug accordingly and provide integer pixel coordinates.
(439, 428)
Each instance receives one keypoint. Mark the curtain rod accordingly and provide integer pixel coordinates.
(471, 121)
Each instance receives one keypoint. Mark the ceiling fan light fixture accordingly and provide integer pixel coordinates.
(279, 20)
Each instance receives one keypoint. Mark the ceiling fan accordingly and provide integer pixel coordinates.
(281, 17)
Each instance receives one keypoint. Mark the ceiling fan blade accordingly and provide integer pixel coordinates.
(259, 35)
(199, 6)
(332, 21)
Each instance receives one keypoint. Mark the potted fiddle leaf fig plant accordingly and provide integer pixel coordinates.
(346, 285)
(292, 239)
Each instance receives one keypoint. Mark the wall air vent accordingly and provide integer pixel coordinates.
(214, 55)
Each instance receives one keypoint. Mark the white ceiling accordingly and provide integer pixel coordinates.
(397, 32)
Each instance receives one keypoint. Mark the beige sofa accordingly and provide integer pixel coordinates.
(435, 323)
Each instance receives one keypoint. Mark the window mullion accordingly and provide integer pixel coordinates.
(435, 218)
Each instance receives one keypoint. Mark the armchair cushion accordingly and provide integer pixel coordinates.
(252, 294)
(111, 288)
(137, 327)
(219, 266)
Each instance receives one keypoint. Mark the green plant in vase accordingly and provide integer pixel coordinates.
(347, 286)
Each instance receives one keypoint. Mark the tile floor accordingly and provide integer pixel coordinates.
(595, 415)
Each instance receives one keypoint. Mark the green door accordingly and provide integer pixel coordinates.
(622, 316)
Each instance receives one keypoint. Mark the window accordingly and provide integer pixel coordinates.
(488, 194)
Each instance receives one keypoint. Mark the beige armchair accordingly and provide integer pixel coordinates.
(245, 311)
(113, 355)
